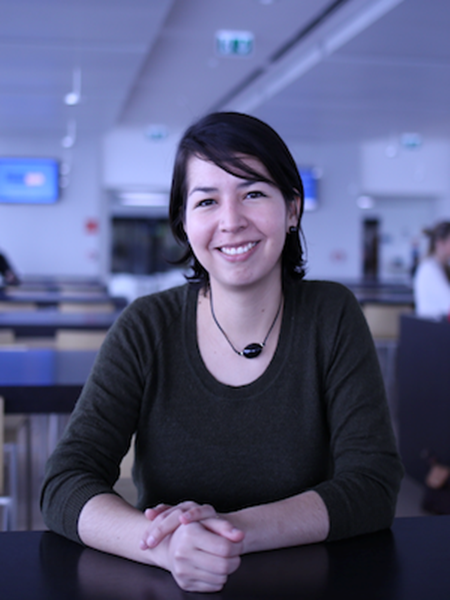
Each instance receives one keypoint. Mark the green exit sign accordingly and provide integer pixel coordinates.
(234, 43)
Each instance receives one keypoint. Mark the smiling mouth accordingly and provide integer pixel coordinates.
(233, 250)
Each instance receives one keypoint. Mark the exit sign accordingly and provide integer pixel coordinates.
(234, 43)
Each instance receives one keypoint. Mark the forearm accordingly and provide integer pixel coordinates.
(301, 519)
(110, 524)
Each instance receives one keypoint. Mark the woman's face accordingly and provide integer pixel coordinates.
(443, 250)
(236, 227)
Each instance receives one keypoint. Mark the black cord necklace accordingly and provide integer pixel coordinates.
(252, 350)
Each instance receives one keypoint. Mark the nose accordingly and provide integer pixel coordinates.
(232, 217)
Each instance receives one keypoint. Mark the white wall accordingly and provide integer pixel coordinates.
(52, 240)
(391, 169)
(132, 160)
(332, 232)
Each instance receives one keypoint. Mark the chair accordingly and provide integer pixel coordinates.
(384, 324)
(423, 385)
(86, 307)
(124, 485)
(7, 337)
(8, 465)
(79, 339)
(6, 306)
(384, 319)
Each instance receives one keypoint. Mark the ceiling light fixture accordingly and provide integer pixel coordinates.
(234, 43)
(73, 98)
(142, 198)
(70, 138)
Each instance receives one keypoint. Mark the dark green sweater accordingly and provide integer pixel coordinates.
(316, 419)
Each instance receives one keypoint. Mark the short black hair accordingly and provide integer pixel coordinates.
(440, 232)
(224, 138)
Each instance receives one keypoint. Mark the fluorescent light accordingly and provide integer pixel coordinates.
(358, 23)
(73, 98)
(365, 202)
(68, 141)
(354, 18)
(154, 199)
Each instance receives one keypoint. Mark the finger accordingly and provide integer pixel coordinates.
(164, 510)
(152, 513)
(163, 525)
(200, 562)
(197, 513)
(169, 518)
(224, 528)
(211, 568)
(210, 542)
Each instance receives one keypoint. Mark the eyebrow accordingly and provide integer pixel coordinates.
(208, 190)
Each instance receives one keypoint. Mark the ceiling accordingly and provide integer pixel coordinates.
(321, 70)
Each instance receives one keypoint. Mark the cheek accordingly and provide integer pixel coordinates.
(196, 233)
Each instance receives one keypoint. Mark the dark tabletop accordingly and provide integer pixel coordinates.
(411, 562)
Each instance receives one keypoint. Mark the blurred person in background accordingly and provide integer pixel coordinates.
(432, 278)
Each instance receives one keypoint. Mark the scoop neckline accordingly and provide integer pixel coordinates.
(205, 377)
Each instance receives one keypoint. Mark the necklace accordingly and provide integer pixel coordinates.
(252, 350)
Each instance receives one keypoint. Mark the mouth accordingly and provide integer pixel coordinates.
(236, 250)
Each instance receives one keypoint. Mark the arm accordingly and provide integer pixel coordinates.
(301, 519)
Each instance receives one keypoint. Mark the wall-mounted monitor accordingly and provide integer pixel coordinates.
(29, 180)
(310, 180)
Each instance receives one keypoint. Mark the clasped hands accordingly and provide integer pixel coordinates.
(202, 547)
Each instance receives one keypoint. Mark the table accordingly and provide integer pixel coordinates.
(411, 562)
(43, 380)
(43, 298)
(377, 292)
(45, 323)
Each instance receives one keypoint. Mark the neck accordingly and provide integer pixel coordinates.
(247, 314)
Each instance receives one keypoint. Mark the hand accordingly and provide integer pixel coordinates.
(199, 559)
(166, 519)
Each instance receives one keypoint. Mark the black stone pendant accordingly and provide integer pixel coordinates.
(252, 350)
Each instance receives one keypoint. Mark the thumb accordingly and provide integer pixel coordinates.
(224, 528)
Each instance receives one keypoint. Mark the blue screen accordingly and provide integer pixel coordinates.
(29, 180)
(309, 180)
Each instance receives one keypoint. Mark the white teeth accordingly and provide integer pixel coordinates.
(239, 250)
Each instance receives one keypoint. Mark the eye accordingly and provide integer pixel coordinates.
(255, 194)
(205, 202)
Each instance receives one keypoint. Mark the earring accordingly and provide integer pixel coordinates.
(293, 230)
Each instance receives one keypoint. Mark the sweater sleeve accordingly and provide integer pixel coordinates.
(87, 459)
(366, 471)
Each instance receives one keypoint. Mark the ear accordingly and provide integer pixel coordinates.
(294, 210)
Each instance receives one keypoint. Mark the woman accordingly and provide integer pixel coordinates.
(432, 279)
(255, 396)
